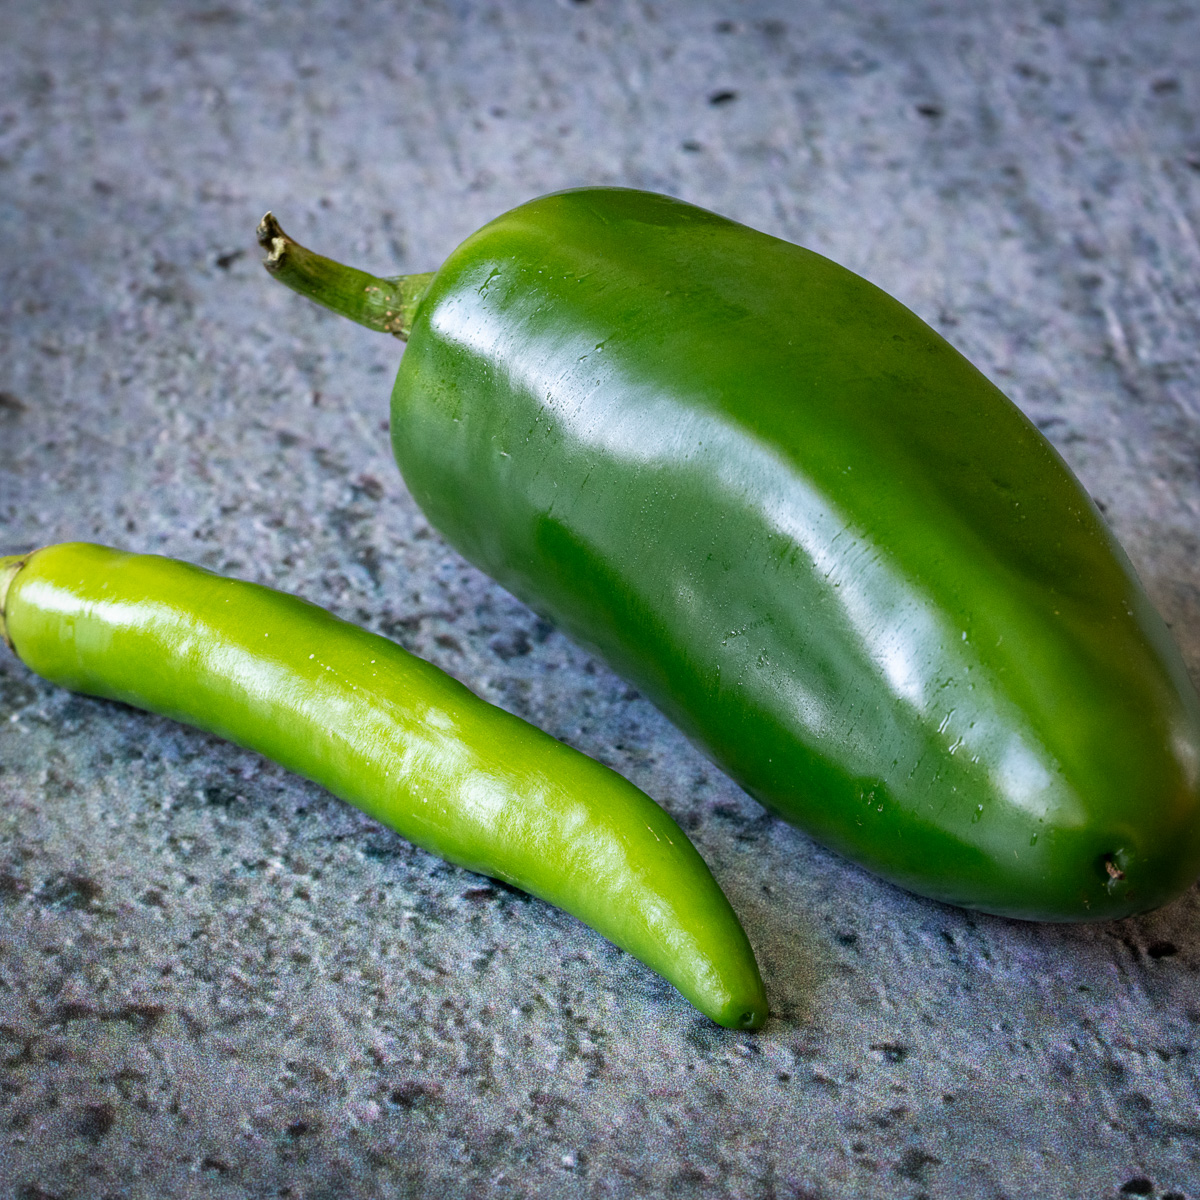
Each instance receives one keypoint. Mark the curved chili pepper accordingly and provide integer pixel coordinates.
(393, 735)
(814, 534)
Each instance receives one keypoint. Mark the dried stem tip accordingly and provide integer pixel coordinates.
(273, 240)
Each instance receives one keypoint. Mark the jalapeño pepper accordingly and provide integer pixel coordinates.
(811, 531)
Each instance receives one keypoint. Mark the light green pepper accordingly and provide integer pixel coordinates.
(393, 735)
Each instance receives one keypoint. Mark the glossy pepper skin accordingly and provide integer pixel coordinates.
(818, 538)
(393, 735)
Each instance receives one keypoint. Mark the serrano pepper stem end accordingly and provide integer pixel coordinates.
(9, 566)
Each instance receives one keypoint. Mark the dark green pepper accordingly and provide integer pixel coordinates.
(814, 534)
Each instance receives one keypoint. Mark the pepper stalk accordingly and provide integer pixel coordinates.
(384, 303)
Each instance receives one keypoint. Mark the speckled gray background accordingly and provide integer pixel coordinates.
(217, 981)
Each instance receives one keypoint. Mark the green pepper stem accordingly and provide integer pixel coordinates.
(387, 304)
(9, 566)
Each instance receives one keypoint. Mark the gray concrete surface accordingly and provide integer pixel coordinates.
(215, 980)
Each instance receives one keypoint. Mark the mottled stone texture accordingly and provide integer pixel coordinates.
(215, 980)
